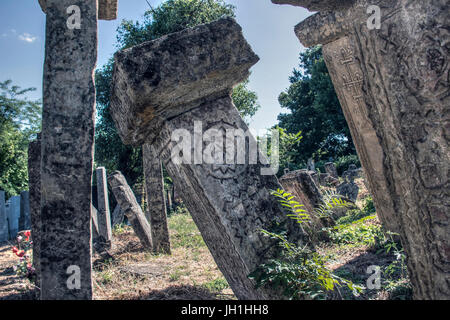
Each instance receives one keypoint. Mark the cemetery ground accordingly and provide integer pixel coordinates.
(130, 273)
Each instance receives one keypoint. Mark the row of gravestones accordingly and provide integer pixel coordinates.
(347, 188)
(158, 90)
(14, 215)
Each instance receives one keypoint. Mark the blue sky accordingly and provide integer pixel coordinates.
(267, 27)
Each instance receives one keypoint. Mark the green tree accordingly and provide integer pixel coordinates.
(315, 111)
(20, 120)
(171, 16)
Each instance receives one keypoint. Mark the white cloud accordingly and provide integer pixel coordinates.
(27, 37)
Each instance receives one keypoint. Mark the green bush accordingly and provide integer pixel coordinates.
(344, 162)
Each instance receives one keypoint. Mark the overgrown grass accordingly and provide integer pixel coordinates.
(185, 232)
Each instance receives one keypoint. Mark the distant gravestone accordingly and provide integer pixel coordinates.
(132, 210)
(3, 220)
(330, 168)
(103, 213)
(24, 220)
(156, 208)
(311, 165)
(13, 216)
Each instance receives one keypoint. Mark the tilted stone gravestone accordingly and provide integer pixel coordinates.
(184, 80)
(34, 186)
(3, 220)
(67, 143)
(131, 208)
(24, 220)
(392, 80)
(156, 204)
(103, 213)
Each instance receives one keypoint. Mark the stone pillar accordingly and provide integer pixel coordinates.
(160, 91)
(131, 208)
(104, 216)
(156, 205)
(24, 220)
(34, 186)
(68, 117)
(3, 221)
(393, 86)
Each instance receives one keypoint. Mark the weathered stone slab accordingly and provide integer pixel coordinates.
(103, 213)
(318, 5)
(3, 221)
(67, 151)
(156, 204)
(117, 216)
(330, 168)
(13, 216)
(24, 219)
(303, 187)
(34, 186)
(393, 85)
(107, 9)
(187, 78)
(132, 210)
(164, 78)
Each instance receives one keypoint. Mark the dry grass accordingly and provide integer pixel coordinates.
(188, 273)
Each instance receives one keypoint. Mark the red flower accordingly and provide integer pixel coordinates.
(20, 254)
(14, 249)
(27, 234)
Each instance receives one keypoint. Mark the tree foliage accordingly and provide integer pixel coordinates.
(20, 120)
(171, 16)
(315, 111)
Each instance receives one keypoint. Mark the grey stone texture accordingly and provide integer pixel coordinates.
(107, 9)
(13, 216)
(156, 204)
(34, 186)
(117, 216)
(318, 5)
(330, 168)
(104, 215)
(169, 84)
(24, 220)
(164, 78)
(393, 85)
(132, 210)
(3, 220)
(67, 151)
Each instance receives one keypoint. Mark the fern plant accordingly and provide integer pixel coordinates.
(299, 272)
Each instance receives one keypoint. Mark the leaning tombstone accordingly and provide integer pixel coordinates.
(3, 221)
(103, 214)
(388, 61)
(159, 91)
(131, 208)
